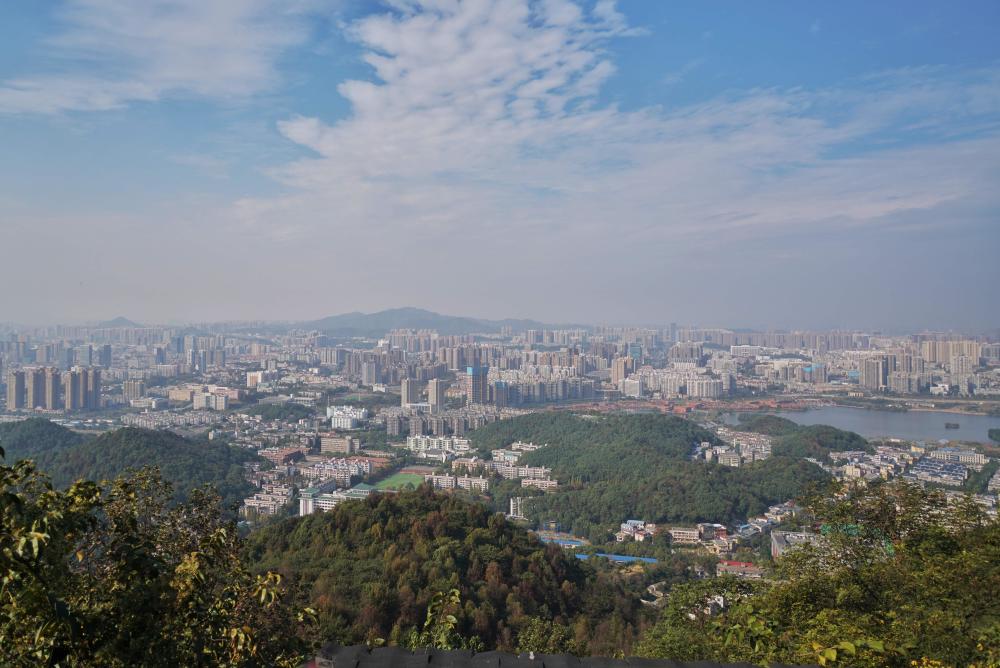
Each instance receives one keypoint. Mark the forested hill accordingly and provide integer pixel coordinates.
(67, 456)
(371, 567)
(35, 438)
(613, 468)
(661, 436)
(794, 440)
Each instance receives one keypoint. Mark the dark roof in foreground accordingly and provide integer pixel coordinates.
(361, 656)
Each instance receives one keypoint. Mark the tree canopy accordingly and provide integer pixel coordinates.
(186, 463)
(116, 576)
(613, 468)
(371, 569)
(794, 440)
(902, 575)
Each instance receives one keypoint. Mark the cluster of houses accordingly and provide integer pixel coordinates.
(714, 537)
(504, 462)
(438, 448)
(473, 484)
(949, 467)
(326, 496)
(271, 498)
(775, 515)
(295, 465)
(637, 530)
(342, 470)
(739, 448)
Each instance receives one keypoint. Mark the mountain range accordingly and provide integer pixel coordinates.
(377, 324)
(120, 321)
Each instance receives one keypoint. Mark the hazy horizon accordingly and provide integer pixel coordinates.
(788, 166)
(165, 322)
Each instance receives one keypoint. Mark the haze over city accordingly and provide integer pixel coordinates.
(783, 166)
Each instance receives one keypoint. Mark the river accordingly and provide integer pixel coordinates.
(911, 425)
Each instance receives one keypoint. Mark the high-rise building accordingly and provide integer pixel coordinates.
(961, 365)
(516, 506)
(133, 389)
(621, 367)
(84, 355)
(90, 386)
(53, 390)
(409, 390)
(370, 372)
(72, 390)
(254, 378)
(435, 393)
(105, 355)
(15, 390)
(34, 386)
(501, 394)
(875, 373)
(476, 389)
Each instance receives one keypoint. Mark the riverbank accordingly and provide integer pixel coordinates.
(913, 425)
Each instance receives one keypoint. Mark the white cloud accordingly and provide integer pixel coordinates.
(478, 158)
(481, 125)
(114, 52)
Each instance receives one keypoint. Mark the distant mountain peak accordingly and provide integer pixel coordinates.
(120, 321)
(410, 317)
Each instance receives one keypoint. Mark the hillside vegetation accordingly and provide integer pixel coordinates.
(613, 468)
(902, 578)
(186, 463)
(36, 437)
(794, 440)
(370, 569)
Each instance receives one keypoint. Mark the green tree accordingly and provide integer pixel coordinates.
(187, 464)
(440, 626)
(114, 575)
(371, 568)
(901, 575)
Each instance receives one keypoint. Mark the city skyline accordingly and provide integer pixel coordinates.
(593, 162)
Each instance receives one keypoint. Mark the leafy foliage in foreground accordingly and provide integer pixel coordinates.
(903, 576)
(372, 568)
(618, 467)
(186, 463)
(116, 577)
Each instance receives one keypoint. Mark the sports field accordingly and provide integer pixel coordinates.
(400, 480)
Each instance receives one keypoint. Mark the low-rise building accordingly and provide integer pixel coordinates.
(544, 484)
(684, 535)
(335, 443)
(783, 541)
(740, 569)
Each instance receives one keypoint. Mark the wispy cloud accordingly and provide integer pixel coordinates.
(486, 112)
(110, 53)
(480, 146)
(680, 74)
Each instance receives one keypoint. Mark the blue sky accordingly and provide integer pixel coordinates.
(784, 164)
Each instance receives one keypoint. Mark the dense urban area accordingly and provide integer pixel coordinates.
(661, 457)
